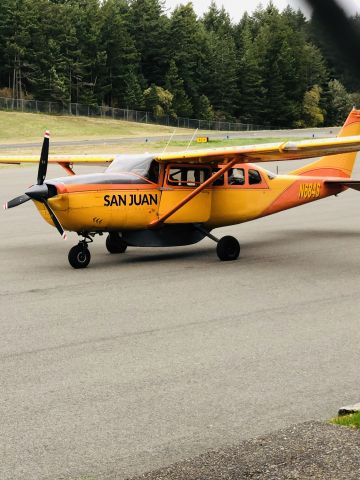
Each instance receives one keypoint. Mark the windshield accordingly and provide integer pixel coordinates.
(139, 164)
(270, 175)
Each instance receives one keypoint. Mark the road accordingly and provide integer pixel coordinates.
(149, 357)
(301, 133)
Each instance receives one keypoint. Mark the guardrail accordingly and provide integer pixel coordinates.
(77, 109)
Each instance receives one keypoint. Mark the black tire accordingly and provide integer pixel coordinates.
(79, 256)
(228, 248)
(115, 244)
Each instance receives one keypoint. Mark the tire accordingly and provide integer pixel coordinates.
(79, 256)
(115, 244)
(228, 248)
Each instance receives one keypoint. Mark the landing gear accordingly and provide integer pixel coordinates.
(79, 256)
(115, 244)
(228, 248)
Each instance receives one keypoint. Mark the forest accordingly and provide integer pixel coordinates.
(274, 68)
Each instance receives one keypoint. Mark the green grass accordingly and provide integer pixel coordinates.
(352, 421)
(18, 126)
(223, 142)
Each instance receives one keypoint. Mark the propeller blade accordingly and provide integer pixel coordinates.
(55, 220)
(16, 201)
(43, 159)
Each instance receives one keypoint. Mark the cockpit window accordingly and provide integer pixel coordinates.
(236, 176)
(187, 176)
(254, 177)
(219, 181)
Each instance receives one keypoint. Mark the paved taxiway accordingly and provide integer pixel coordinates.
(301, 133)
(146, 358)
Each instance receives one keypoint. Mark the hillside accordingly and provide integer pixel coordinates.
(28, 127)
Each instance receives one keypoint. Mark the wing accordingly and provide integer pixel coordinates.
(60, 159)
(349, 183)
(267, 152)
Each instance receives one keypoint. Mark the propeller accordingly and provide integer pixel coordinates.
(40, 191)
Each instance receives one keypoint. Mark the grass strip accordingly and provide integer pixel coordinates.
(352, 420)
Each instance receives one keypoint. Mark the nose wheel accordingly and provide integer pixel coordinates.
(79, 256)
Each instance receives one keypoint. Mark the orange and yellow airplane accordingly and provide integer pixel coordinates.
(174, 199)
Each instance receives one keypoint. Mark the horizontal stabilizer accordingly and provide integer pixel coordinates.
(354, 184)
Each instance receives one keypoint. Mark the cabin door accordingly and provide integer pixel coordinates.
(180, 181)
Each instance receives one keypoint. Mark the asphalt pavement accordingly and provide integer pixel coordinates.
(154, 356)
(300, 133)
(308, 451)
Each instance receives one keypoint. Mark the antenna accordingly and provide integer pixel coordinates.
(169, 140)
(192, 138)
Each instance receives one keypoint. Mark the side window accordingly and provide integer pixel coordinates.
(236, 176)
(219, 181)
(153, 173)
(187, 176)
(254, 177)
(174, 176)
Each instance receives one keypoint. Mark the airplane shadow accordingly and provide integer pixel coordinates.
(175, 254)
(208, 252)
(251, 248)
(286, 237)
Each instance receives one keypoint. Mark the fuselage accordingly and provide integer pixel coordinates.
(120, 201)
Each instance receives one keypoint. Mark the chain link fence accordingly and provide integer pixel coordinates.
(77, 109)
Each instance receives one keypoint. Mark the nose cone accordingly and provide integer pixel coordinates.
(38, 192)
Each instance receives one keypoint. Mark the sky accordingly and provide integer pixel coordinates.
(236, 8)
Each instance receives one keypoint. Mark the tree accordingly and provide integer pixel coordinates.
(205, 110)
(133, 96)
(53, 46)
(313, 67)
(181, 103)
(312, 114)
(251, 80)
(122, 57)
(217, 20)
(148, 26)
(185, 43)
(221, 86)
(339, 104)
(158, 100)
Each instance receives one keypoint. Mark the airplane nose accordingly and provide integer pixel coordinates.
(38, 192)
(41, 192)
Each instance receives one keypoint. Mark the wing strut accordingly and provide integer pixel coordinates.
(67, 167)
(200, 188)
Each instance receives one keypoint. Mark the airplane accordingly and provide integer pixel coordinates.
(174, 199)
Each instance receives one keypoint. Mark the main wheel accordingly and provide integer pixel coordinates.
(228, 248)
(79, 256)
(115, 244)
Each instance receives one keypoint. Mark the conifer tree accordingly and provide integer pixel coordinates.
(205, 110)
(122, 58)
(148, 26)
(181, 104)
(185, 47)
